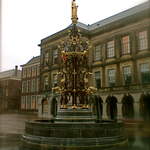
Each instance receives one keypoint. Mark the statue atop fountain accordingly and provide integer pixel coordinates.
(74, 72)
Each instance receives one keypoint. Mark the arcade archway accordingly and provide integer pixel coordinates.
(111, 107)
(54, 107)
(98, 107)
(145, 106)
(127, 106)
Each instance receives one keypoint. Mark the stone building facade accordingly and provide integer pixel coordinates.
(119, 59)
(10, 90)
(30, 85)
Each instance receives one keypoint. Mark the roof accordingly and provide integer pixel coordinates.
(32, 61)
(122, 15)
(10, 74)
(79, 24)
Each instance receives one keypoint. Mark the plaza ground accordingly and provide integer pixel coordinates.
(12, 126)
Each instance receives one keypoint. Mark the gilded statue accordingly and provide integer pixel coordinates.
(74, 12)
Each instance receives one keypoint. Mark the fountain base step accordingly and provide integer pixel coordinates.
(79, 136)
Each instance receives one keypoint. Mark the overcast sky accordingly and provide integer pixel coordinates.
(26, 22)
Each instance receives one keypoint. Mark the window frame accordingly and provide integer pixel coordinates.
(110, 84)
(97, 51)
(127, 75)
(142, 39)
(97, 80)
(145, 73)
(55, 56)
(126, 46)
(110, 48)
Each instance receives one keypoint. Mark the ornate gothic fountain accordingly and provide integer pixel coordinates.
(75, 125)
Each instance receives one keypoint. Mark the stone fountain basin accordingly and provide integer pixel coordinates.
(68, 136)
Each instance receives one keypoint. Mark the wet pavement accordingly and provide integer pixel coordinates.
(12, 126)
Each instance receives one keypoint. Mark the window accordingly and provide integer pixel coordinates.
(24, 73)
(46, 85)
(54, 80)
(36, 107)
(23, 102)
(97, 80)
(33, 71)
(6, 92)
(38, 70)
(33, 102)
(37, 84)
(55, 56)
(46, 55)
(27, 86)
(33, 87)
(145, 73)
(29, 72)
(111, 77)
(97, 53)
(28, 102)
(143, 40)
(45, 106)
(110, 49)
(24, 86)
(127, 75)
(125, 45)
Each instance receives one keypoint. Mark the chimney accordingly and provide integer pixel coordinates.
(16, 70)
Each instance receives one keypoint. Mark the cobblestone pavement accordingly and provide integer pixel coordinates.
(11, 128)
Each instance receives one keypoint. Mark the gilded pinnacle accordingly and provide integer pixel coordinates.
(74, 17)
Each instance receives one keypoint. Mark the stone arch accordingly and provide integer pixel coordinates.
(127, 106)
(54, 106)
(145, 106)
(44, 106)
(98, 107)
(111, 107)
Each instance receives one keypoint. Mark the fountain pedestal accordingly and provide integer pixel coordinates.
(44, 135)
(73, 130)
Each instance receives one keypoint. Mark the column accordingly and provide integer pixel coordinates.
(136, 107)
(40, 106)
(118, 76)
(104, 116)
(135, 73)
(49, 107)
(119, 109)
(103, 77)
(134, 47)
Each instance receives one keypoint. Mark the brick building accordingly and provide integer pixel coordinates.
(119, 59)
(10, 90)
(30, 85)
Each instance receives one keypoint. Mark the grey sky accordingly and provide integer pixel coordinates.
(26, 22)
